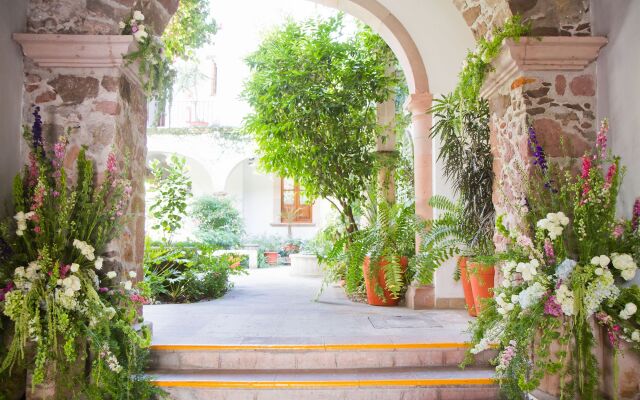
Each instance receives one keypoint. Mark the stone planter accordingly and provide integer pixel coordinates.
(305, 265)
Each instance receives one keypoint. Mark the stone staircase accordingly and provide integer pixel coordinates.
(407, 371)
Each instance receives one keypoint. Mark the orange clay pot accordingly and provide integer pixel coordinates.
(371, 282)
(482, 282)
(466, 286)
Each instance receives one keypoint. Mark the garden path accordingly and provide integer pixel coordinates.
(269, 306)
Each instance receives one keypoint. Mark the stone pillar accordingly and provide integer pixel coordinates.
(386, 149)
(547, 84)
(417, 296)
(81, 84)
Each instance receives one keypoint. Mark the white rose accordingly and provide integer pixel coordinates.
(132, 274)
(122, 25)
(628, 274)
(630, 308)
(635, 336)
(74, 267)
(127, 285)
(98, 263)
(138, 15)
(111, 274)
(599, 271)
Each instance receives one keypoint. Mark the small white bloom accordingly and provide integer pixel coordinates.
(98, 263)
(140, 35)
(635, 336)
(19, 272)
(132, 274)
(630, 308)
(111, 274)
(74, 267)
(138, 15)
(599, 271)
(122, 25)
(127, 285)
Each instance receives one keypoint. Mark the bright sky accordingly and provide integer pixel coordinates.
(242, 26)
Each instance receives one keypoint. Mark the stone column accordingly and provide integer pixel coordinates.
(386, 149)
(547, 84)
(417, 296)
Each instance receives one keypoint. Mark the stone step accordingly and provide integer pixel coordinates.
(341, 384)
(318, 357)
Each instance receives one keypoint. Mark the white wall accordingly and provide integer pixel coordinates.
(619, 88)
(257, 197)
(443, 38)
(12, 19)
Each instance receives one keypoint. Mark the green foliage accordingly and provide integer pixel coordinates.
(170, 188)
(314, 92)
(190, 28)
(219, 223)
(441, 239)
(188, 272)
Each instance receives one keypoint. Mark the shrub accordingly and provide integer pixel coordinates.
(188, 272)
(219, 223)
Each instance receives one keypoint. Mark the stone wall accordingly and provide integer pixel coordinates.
(105, 112)
(94, 17)
(547, 17)
(559, 106)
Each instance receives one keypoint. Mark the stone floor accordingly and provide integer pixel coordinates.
(269, 306)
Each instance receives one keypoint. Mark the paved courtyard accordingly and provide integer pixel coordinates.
(269, 306)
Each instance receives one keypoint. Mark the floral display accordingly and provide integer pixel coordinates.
(67, 304)
(566, 272)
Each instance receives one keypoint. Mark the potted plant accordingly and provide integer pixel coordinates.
(383, 250)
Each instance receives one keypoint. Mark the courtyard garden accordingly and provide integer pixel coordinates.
(535, 219)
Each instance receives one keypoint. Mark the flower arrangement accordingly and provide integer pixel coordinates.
(67, 308)
(566, 272)
(154, 67)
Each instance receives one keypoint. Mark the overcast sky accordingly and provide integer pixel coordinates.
(242, 26)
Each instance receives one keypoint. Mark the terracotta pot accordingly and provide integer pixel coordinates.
(466, 286)
(371, 282)
(272, 257)
(481, 277)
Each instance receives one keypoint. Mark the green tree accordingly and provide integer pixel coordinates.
(170, 188)
(190, 28)
(314, 92)
(219, 223)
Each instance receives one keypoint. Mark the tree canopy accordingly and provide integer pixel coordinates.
(314, 91)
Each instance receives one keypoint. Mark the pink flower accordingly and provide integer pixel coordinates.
(548, 251)
(134, 28)
(610, 174)
(618, 231)
(64, 270)
(37, 230)
(38, 198)
(586, 166)
(55, 193)
(601, 139)
(103, 290)
(112, 164)
(635, 218)
(138, 298)
(552, 307)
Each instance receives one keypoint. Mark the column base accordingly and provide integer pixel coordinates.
(421, 297)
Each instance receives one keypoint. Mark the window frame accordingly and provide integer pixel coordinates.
(305, 217)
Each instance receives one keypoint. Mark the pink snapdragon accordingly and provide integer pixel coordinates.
(112, 164)
(618, 231)
(549, 252)
(601, 139)
(610, 174)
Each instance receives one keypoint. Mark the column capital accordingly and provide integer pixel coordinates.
(552, 53)
(418, 103)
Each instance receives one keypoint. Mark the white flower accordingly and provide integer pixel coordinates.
(98, 263)
(635, 336)
(111, 274)
(122, 25)
(503, 306)
(132, 274)
(601, 288)
(628, 311)
(111, 312)
(71, 282)
(19, 272)
(531, 295)
(565, 298)
(127, 285)
(21, 221)
(74, 267)
(554, 224)
(528, 270)
(140, 35)
(599, 271)
(138, 15)
(565, 268)
(85, 249)
(626, 265)
(602, 261)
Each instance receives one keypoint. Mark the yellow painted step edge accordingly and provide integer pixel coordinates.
(319, 384)
(311, 347)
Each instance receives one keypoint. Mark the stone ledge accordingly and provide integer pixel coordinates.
(75, 51)
(549, 53)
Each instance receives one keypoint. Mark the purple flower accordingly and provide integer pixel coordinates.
(618, 231)
(538, 151)
(548, 251)
(36, 130)
(103, 290)
(635, 219)
(552, 307)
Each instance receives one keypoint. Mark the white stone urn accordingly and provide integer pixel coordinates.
(305, 265)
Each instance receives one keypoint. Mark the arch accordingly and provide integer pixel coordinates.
(384, 23)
